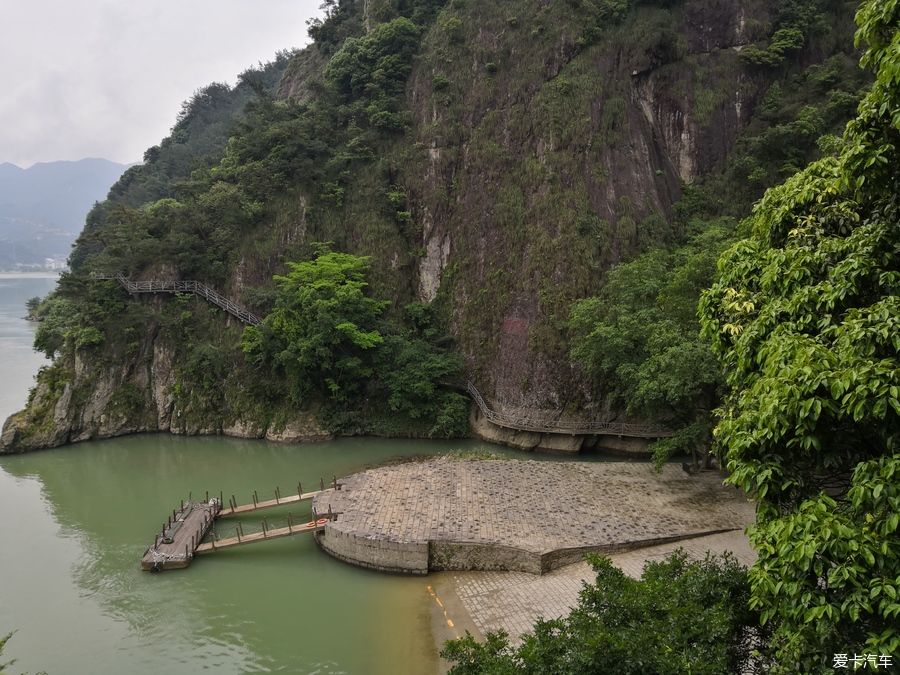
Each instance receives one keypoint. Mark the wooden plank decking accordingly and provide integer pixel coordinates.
(234, 509)
(174, 546)
(274, 533)
(182, 533)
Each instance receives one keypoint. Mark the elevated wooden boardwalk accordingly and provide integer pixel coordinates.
(175, 286)
(267, 533)
(233, 508)
(182, 535)
(520, 421)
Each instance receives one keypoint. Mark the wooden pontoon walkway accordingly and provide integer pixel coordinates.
(182, 533)
(174, 547)
(235, 509)
(265, 534)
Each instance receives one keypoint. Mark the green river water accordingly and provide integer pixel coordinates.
(76, 520)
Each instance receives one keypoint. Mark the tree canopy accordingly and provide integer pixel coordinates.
(805, 317)
(326, 338)
(322, 331)
(640, 340)
(681, 617)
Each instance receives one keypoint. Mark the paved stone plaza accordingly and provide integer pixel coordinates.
(513, 601)
(518, 515)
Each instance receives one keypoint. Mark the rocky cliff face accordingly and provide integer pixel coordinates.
(543, 147)
(545, 161)
(78, 400)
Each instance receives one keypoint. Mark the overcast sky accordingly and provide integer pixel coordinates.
(106, 78)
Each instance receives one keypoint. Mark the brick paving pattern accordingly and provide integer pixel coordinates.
(533, 506)
(513, 601)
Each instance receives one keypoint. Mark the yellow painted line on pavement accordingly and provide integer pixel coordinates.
(440, 604)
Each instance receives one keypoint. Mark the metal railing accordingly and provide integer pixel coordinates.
(524, 422)
(519, 422)
(195, 287)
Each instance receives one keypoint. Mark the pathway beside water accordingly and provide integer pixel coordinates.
(529, 516)
(75, 520)
(512, 601)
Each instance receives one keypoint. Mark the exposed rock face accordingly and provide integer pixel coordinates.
(303, 428)
(534, 161)
(522, 440)
(538, 138)
(137, 396)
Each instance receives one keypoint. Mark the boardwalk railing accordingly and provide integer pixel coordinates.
(195, 287)
(525, 422)
(518, 421)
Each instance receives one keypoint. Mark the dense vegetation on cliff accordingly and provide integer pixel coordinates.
(469, 165)
(803, 315)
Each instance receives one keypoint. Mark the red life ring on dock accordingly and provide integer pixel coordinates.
(320, 521)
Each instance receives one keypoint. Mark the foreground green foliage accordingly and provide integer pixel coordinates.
(322, 329)
(680, 617)
(327, 337)
(640, 340)
(805, 316)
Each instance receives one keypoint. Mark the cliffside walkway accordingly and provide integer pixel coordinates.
(518, 422)
(524, 422)
(196, 287)
(182, 535)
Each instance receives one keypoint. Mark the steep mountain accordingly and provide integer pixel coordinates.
(42, 208)
(494, 160)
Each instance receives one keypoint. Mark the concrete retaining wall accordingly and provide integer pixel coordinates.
(422, 558)
(454, 555)
(377, 554)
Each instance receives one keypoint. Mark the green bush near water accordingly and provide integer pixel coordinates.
(327, 339)
(680, 617)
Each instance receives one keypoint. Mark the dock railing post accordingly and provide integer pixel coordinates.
(321, 483)
(300, 490)
(290, 524)
(277, 495)
(334, 483)
(255, 499)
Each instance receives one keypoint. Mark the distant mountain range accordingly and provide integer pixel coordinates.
(42, 208)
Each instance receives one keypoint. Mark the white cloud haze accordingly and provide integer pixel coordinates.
(106, 78)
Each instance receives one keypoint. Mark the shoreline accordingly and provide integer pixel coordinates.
(29, 275)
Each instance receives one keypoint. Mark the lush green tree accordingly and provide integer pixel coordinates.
(640, 340)
(415, 370)
(680, 617)
(805, 317)
(323, 331)
(32, 305)
(368, 74)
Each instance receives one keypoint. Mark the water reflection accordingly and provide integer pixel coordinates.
(280, 606)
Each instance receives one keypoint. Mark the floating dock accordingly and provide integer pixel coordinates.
(174, 546)
(182, 535)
